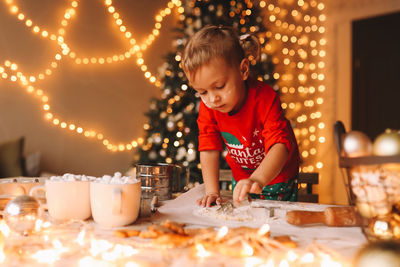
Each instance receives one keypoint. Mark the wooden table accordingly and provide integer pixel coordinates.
(95, 246)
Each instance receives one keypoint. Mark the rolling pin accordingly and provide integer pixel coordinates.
(332, 216)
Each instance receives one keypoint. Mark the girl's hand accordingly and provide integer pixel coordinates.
(245, 186)
(209, 199)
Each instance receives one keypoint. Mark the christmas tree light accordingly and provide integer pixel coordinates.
(171, 133)
(294, 43)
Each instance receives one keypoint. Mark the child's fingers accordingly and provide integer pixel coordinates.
(255, 188)
(240, 192)
(243, 192)
(203, 201)
(236, 193)
(210, 200)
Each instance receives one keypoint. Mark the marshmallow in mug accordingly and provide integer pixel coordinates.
(117, 179)
(68, 177)
(67, 196)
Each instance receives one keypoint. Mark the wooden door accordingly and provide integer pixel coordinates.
(376, 74)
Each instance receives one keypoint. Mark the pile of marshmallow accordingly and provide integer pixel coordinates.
(376, 189)
(106, 179)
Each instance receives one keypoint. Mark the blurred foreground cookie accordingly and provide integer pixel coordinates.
(126, 233)
(155, 231)
(175, 226)
(286, 241)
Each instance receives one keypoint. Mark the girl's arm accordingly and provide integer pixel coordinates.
(268, 169)
(209, 160)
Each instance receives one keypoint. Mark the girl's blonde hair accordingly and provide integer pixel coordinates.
(218, 41)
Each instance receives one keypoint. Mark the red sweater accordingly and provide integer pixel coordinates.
(258, 125)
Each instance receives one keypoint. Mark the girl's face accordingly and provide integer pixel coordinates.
(220, 86)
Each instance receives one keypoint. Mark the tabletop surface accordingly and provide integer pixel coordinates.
(96, 246)
(344, 240)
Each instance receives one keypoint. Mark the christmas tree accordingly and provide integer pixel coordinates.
(172, 133)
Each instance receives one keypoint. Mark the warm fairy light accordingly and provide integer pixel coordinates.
(307, 258)
(223, 231)
(201, 251)
(48, 256)
(302, 54)
(264, 229)
(69, 13)
(284, 263)
(89, 261)
(99, 246)
(247, 249)
(298, 34)
(101, 252)
(292, 256)
(254, 261)
(42, 32)
(380, 228)
(4, 229)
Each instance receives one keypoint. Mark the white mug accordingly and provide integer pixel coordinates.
(115, 204)
(66, 199)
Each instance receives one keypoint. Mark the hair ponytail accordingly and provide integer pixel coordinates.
(251, 46)
(219, 41)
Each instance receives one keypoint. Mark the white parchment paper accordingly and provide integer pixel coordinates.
(184, 209)
(345, 240)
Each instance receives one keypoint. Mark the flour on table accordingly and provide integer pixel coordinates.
(226, 212)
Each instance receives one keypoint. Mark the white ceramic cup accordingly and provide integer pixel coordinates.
(66, 200)
(115, 205)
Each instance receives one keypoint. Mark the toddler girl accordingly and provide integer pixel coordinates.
(243, 113)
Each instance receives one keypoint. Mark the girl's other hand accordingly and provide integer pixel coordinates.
(245, 186)
(209, 199)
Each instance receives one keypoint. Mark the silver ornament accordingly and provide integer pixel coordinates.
(381, 253)
(21, 213)
(357, 144)
(387, 144)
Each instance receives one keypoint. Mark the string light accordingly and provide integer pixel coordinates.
(65, 50)
(70, 12)
(36, 29)
(296, 49)
(297, 40)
